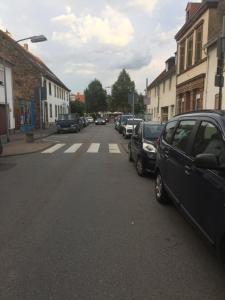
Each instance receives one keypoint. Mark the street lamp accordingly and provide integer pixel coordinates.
(34, 39)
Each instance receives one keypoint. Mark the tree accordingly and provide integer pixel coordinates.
(77, 107)
(95, 97)
(120, 90)
(139, 106)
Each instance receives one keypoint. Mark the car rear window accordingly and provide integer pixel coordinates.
(152, 132)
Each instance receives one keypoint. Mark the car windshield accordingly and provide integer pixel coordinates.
(64, 117)
(152, 132)
(133, 122)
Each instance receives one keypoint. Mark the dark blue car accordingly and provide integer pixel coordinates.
(191, 171)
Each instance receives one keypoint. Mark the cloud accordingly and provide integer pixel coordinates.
(146, 5)
(80, 68)
(110, 28)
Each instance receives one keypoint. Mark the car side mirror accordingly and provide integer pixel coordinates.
(208, 161)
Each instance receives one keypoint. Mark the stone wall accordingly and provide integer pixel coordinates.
(26, 77)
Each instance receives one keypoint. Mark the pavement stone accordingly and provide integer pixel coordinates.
(18, 145)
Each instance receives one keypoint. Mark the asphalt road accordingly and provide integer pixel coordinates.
(85, 226)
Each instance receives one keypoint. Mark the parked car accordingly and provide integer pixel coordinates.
(100, 121)
(122, 122)
(68, 123)
(117, 122)
(84, 121)
(191, 171)
(129, 126)
(143, 147)
(1, 147)
(90, 119)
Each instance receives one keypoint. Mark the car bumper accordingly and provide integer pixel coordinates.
(149, 161)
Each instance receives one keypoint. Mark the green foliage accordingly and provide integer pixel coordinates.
(77, 107)
(95, 97)
(120, 90)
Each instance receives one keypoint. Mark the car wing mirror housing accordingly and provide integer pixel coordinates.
(208, 161)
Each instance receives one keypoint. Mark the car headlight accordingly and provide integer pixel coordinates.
(149, 148)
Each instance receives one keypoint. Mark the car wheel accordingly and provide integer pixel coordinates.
(140, 167)
(160, 192)
(130, 155)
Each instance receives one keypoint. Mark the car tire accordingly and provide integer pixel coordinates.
(160, 192)
(130, 155)
(140, 167)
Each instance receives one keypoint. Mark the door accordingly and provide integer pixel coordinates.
(207, 202)
(179, 162)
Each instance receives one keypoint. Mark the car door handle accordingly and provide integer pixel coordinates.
(166, 154)
(187, 169)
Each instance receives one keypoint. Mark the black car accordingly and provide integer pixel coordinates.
(191, 171)
(143, 147)
(100, 121)
(68, 123)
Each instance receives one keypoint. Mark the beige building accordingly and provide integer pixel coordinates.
(162, 94)
(203, 20)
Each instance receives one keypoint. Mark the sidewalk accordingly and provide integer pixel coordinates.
(18, 145)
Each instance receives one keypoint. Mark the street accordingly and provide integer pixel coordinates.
(77, 222)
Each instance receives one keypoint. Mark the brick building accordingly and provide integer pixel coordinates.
(30, 74)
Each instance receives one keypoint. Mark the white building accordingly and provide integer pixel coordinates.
(211, 91)
(6, 96)
(162, 94)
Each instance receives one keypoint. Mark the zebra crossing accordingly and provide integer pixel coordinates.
(71, 149)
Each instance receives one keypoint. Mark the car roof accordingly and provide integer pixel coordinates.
(218, 115)
(152, 123)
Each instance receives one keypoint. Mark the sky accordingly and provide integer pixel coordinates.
(90, 40)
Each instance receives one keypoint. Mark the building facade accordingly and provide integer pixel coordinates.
(38, 95)
(162, 94)
(6, 97)
(203, 20)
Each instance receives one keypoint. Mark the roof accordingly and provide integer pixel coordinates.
(162, 76)
(207, 4)
(36, 62)
(203, 112)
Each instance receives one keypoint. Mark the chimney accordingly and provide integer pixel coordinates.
(25, 46)
(191, 9)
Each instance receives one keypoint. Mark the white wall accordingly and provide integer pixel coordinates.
(9, 95)
(211, 90)
(165, 98)
(59, 99)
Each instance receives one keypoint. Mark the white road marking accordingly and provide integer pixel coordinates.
(93, 148)
(113, 148)
(73, 148)
(53, 149)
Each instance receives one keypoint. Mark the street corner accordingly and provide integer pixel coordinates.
(23, 148)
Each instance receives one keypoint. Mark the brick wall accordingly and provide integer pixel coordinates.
(26, 77)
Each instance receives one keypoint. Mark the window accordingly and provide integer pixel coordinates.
(189, 51)
(54, 90)
(182, 135)
(182, 56)
(50, 88)
(209, 140)
(50, 110)
(171, 111)
(56, 111)
(1, 77)
(169, 130)
(198, 44)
